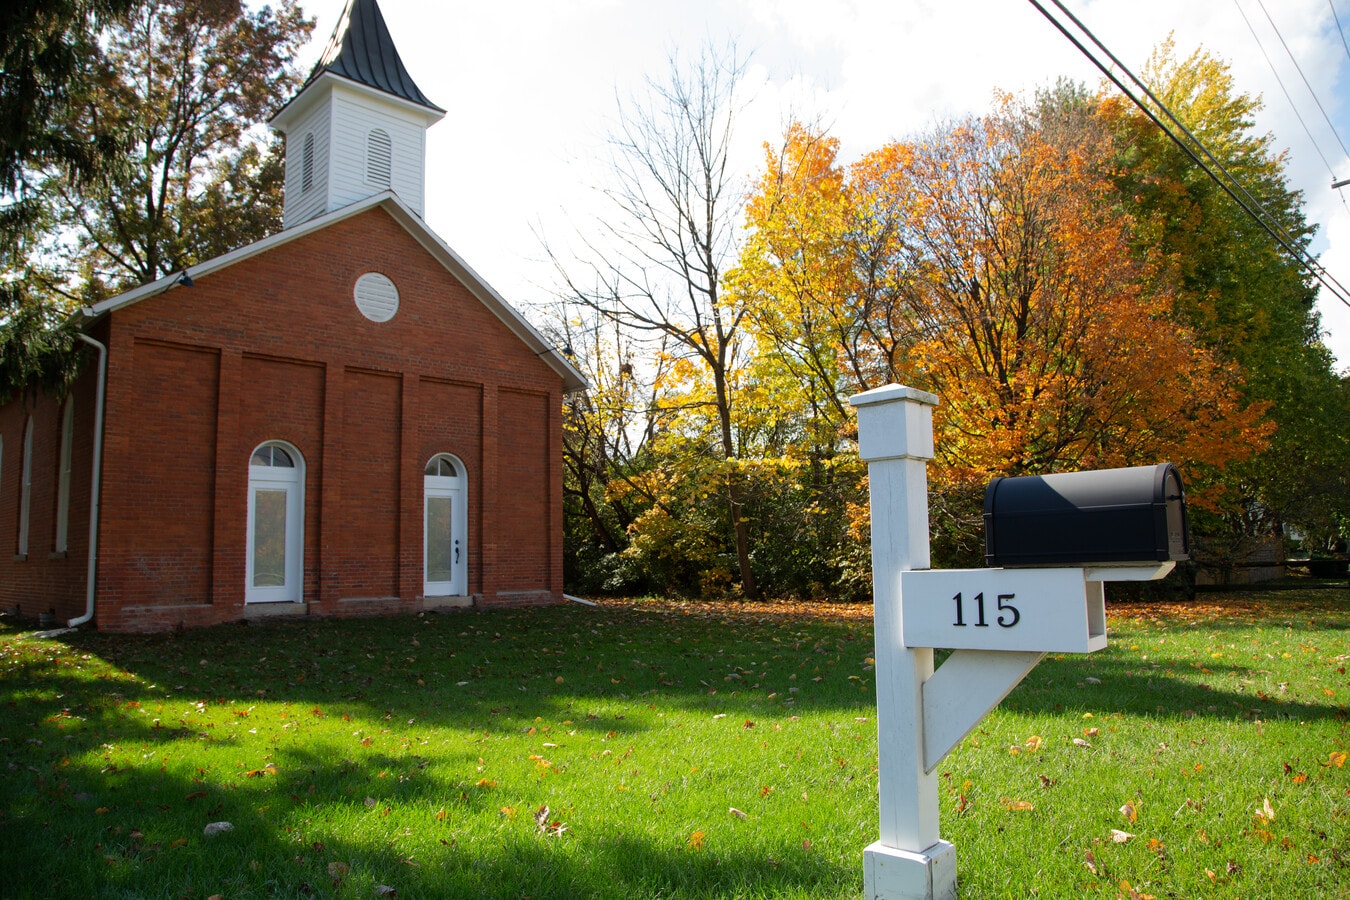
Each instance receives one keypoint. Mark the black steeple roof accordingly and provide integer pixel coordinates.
(362, 50)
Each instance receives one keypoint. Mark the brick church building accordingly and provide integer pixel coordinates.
(340, 419)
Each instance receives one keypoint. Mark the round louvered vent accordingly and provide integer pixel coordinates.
(376, 297)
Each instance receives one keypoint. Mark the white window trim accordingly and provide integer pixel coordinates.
(386, 165)
(457, 489)
(26, 488)
(63, 477)
(307, 163)
(292, 480)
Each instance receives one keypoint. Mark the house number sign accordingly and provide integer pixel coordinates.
(1046, 610)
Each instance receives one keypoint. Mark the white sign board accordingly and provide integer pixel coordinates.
(1044, 610)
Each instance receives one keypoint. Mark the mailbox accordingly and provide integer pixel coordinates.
(1112, 516)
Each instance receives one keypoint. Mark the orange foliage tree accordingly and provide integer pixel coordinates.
(991, 264)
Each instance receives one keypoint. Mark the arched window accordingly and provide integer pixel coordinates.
(26, 487)
(307, 163)
(445, 534)
(379, 158)
(63, 477)
(276, 527)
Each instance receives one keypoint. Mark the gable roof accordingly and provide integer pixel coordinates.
(362, 50)
(572, 379)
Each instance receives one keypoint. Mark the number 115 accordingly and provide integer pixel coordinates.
(1004, 607)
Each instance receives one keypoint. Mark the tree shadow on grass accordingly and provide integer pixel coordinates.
(508, 668)
(1124, 685)
(71, 827)
(79, 820)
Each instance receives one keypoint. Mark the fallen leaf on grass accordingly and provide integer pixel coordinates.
(1033, 743)
(1120, 837)
(1130, 813)
(736, 812)
(1337, 759)
(696, 840)
(1016, 805)
(1079, 742)
(552, 829)
(1090, 861)
(1131, 894)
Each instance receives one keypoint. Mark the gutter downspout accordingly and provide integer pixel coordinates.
(97, 479)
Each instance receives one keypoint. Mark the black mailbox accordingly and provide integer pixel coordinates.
(1112, 516)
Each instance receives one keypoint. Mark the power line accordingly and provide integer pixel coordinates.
(1339, 30)
(1250, 204)
(1280, 81)
(1299, 69)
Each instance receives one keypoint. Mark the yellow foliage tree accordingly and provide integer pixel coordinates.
(991, 264)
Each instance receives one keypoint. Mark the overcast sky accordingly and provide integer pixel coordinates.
(530, 90)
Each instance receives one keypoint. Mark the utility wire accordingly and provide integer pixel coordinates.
(1299, 69)
(1280, 82)
(1250, 205)
(1339, 30)
(1312, 140)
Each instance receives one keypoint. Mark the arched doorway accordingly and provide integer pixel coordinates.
(276, 527)
(445, 528)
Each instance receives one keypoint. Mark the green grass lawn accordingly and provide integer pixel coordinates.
(681, 750)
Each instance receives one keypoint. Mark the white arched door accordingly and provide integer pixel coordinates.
(276, 528)
(445, 529)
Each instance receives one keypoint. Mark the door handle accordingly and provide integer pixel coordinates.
(456, 551)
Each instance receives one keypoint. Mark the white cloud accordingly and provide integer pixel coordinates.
(530, 89)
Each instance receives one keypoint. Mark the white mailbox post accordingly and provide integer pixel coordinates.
(999, 622)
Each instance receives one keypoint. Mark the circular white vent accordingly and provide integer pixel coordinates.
(376, 297)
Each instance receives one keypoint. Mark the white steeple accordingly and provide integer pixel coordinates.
(358, 126)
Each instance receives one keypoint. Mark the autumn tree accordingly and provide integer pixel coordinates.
(607, 436)
(989, 262)
(1248, 299)
(187, 87)
(657, 271)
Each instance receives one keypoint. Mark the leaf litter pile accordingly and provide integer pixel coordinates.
(657, 748)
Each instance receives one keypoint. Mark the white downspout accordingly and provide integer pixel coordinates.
(97, 479)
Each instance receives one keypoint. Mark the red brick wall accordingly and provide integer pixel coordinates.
(158, 509)
(274, 348)
(47, 580)
(368, 531)
(523, 426)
